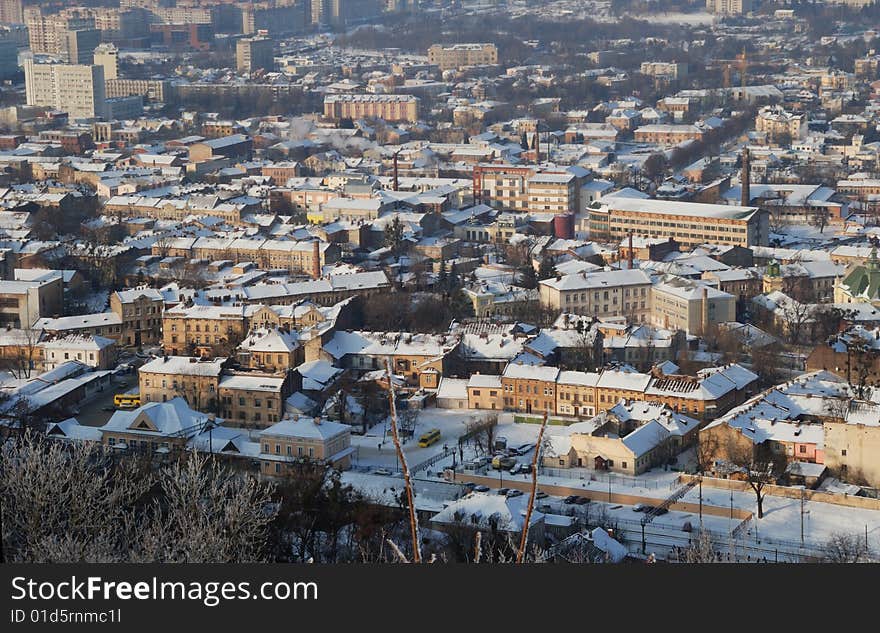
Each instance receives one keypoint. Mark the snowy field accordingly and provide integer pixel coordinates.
(778, 533)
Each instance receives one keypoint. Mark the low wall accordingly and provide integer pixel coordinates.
(849, 501)
(598, 495)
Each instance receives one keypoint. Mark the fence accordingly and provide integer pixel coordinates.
(584, 474)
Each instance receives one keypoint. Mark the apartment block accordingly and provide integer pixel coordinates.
(601, 294)
(360, 106)
(253, 54)
(77, 89)
(455, 56)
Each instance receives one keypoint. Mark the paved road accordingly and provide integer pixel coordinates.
(92, 413)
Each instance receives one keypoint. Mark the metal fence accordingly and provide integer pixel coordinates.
(584, 474)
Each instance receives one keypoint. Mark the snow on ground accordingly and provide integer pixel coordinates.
(780, 526)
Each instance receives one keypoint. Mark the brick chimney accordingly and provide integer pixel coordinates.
(316, 260)
(630, 250)
(745, 179)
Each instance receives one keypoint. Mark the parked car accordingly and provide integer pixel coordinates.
(470, 486)
(582, 501)
(514, 493)
(503, 463)
(525, 469)
(525, 448)
(503, 491)
(660, 511)
(541, 495)
(640, 507)
(570, 500)
(381, 471)
(481, 488)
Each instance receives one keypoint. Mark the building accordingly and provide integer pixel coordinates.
(852, 445)
(155, 427)
(81, 45)
(141, 313)
(780, 125)
(23, 303)
(253, 54)
(529, 389)
(8, 58)
(193, 379)
(455, 56)
(73, 88)
(690, 223)
(107, 57)
(360, 106)
(694, 308)
(288, 441)
(672, 70)
(153, 90)
(729, 7)
(94, 351)
(235, 146)
(254, 399)
(601, 294)
(667, 134)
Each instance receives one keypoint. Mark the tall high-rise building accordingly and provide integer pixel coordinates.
(50, 34)
(107, 56)
(8, 58)
(11, 12)
(77, 89)
(254, 53)
(729, 7)
(81, 45)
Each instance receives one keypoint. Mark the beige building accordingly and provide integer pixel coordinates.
(483, 391)
(141, 312)
(455, 56)
(852, 447)
(360, 106)
(689, 223)
(667, 134)
(682, 304)
(107, 57)
(601, 294)
(729, 7)
(289, 441)
(777, 123)
(193, 379)
(252, 399)
(22, 303)
(74, 88)
(94, 351)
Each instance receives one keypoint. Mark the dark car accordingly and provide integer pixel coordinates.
(582, 501)
(570, 500)
(481, 488)
(659, 511)
(541, 495)
(503, 491)
(514, 493)
(470, 485)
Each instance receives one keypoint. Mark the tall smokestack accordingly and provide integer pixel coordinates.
(630, 250)
(316, 260)
(745, 179)
(396, 183)
(704, 321)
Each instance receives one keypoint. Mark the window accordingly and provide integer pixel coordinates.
(623, 464)
(843, 452)
(476, 392)
(311, 451)
(802, 449)
(299, 451)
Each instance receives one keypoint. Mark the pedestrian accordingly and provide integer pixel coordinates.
(380, 447)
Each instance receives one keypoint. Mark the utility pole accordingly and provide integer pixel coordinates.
(701, 502)
(802, 517)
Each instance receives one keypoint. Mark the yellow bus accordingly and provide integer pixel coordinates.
(431, 437)
(127, 400)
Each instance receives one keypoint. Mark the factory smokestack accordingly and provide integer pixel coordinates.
(396, 183)
(316, 260)
(745, 179)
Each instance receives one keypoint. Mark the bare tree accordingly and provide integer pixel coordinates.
(482, 432)
(845, 548)
(700, 550)
(78, 503)
(764, 466)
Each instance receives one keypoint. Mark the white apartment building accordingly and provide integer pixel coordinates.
(77, 89)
